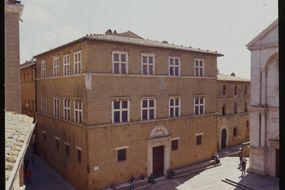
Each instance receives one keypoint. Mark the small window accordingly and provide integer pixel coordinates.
(77, 62)
(174, 66)
(174, 107)
(235, 131)
(224, 89)
(235, 90)
(66, 64)
(198, 139)
(120, 110)
(122, 154)
(199, 67)
(120, 62)
(78, 155)
(67, 150)
(148, 108)
(147, 64)
(199, 105)
(174, 144)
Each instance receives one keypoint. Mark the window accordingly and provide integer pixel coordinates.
(224, 89)
(122, 154)
(174, 66)
(56, 107)
(78, 150)
(147, 64)
(199, 105)
(198, 139)
(174, 107)
(174, 144)
(43, 69)
(120, 63)
(55, 66)
(44, 104)
(57, 143)
(120, 110)
(245, 89)
(235, 91)
(66, 64)
(67, 149)
(77, 62)
(235, 107)
(148, 108)
(66, 108)
(199, 67)
(224, 109)
(235, 131)
(78, 111)
(245, 107)
(44, 136)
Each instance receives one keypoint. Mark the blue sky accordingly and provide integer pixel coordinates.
(225, 26)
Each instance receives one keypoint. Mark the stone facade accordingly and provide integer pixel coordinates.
(13, 12)
(28, 88)
(234, 125)
(264, 103)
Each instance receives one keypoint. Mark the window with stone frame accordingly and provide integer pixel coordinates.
(120, 110)
(66, 64)
(122, 154)
(78, 111)
(79, 154)
(174, 106)
(55, 62)
(174, 66)
(198, 139)
(56, 108)
(148, 108)
(43, 69)
(66, 109)
(147, 64)
(77, 62)
(199, 105)
(174, 144)
(235, 107)
(199, 67)
(120, 62)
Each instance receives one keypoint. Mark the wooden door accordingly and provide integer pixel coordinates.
(158, 161)
(277, 163)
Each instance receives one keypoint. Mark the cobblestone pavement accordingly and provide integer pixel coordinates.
(45, 178)
(210, 179)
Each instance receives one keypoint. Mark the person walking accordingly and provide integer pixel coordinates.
(132, 183)
(243, 167)
(240, 161)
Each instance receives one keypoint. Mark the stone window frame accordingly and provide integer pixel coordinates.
(199, 141)
(77, 62)
(43, 69)
(121, 157)
(147, 63)
(66, 64)
(148, 108)
(78, 110)
(55, 63)
(56, 107)
(78, 154)
(120, 62)
(66, 108)
(44, 104)
(173, 147)
(174, 106)
(120, 109)
(199, 105)
(174, 65)
(67, 149)
(199, 67)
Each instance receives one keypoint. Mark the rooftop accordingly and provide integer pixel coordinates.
(132, 38)
(18, 131)
(27, 64)
(224, 77)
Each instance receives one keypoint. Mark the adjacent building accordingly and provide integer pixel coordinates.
(264, 102)
(116, 105)
(232, 106)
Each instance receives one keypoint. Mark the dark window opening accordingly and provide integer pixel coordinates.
(199, 140)
(174, 144)
(235, 132)
(78, 155)
(121, 155)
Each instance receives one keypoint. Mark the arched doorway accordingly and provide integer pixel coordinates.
(223, 138)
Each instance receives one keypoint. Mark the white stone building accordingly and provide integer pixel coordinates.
(264, 102)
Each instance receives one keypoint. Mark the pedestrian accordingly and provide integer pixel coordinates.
(132, 183)
(240, 161)
(243, 167)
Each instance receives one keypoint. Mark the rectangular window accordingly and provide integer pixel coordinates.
(235, 90)
(147, 64)
(77, 62)
(235, 132)
(120, 62)
(66, 108)
(235, 107)
(78, 150)
(199, 67)
(224, 89)
(122, 154)
(56, 107)
(78, 111)
(174, 66)
(55, 66)
(44, 104)
(199, 105)
(67, 149)
(198, 139)
(174, 144)
(148, 108)
(43, 69)
(66, 64)
(174, 107)
(120, 110)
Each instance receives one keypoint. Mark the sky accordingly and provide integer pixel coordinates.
(225, 26)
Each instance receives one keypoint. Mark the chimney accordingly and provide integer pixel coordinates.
(115, 32)
(233, 74)
(108, 32)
